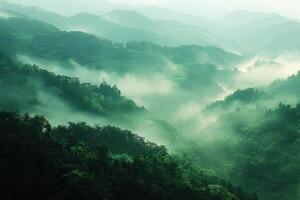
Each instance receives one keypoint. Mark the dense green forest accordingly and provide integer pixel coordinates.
(257, 148)
(259, 139)
(77, 161)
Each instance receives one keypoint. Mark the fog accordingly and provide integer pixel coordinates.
(254, 70)
(155, 91)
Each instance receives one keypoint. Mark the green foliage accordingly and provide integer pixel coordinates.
(77, 162)
(290, 86)
(39, 39)
(238, 99)
(25, 29)
(62, 46)
(22, 85)
(260, 152)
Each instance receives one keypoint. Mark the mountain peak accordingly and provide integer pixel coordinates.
(130, 19)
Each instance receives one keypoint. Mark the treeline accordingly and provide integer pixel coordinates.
(284, 91)
(77, 161)
(21, 86)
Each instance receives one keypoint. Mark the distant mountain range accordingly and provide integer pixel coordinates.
(246, 32)
(260, 32)
(123, 26)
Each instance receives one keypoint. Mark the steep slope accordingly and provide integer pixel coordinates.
(25, 88)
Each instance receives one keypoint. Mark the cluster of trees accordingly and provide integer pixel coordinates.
(77, 161)
(239, 98)
(286, 91)
(30, 80)
(258, 149)
(258, 146)
(268, 154)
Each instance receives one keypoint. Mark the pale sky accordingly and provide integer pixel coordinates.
(209, 8)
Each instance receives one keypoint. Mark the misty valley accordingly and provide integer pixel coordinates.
(148, 103)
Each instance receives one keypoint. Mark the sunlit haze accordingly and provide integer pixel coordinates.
(207, 8)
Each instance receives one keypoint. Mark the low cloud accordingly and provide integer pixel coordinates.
(262, 70)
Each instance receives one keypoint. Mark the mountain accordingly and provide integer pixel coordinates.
(258, 31)
(131, 19)
(124, 26)
(254, 134)
(160, 13)
(63, 7)
(239, 98)
(85, 22)
(173, 31)
(103, 28)
(199, 70)
(17, 28)
(33, 13)
(36, 84)
(4, 13)
(284, 91)
(43, 40)
(30, 89)
(257, 148)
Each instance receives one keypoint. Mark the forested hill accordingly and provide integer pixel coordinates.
(258, 143)
(27, 88)
(257, 148)
(82, 162)
(41, 40)
(121, 26)
(284, 91)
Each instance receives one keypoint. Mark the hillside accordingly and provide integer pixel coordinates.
(82, 162)
(255, 135)
(32, 82)
(123, 26)
(42, 40)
